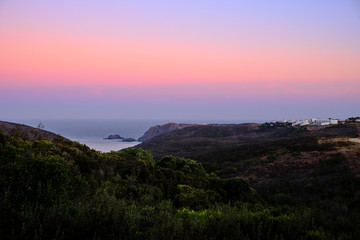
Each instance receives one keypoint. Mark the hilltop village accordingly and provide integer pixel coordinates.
(315, 121)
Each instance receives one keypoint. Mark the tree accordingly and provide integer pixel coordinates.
(41, 126)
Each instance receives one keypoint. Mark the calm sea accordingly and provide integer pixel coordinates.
(93, 132)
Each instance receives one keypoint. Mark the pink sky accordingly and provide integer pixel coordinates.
(180, 52)
(53, 58)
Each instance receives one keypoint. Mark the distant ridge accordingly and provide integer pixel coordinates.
(165, 128)
(197, 141)
(26, 132)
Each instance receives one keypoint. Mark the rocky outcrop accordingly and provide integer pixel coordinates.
(114, 136)
(118, 137)
(161, 129)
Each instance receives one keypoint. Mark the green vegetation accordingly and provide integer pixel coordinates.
(352, 119)
(275, 125)
(64, 190)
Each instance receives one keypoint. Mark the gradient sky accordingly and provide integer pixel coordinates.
(183, 59)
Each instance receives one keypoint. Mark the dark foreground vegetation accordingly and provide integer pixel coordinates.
(63, 190)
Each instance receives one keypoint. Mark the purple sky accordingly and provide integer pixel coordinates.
(179, 60)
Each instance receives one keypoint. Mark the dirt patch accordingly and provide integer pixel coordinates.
(350, 148)
(356, 140)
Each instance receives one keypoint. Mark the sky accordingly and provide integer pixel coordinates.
(236, 60)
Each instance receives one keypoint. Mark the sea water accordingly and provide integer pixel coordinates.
(93, 132)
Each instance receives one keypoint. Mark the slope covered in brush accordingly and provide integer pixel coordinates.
(61, 189)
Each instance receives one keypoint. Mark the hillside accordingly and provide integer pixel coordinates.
(64, 190)
(199, 141)
(162, 129)
(289, 184)
(271, 158)
(26, 132)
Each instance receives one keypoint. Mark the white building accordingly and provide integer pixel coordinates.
(323, 122)
(301, 123)
(334, 121)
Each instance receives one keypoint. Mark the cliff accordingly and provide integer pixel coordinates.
(162, 129)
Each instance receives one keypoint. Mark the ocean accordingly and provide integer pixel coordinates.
(92, 132)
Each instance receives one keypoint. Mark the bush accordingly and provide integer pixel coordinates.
(184, 165)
